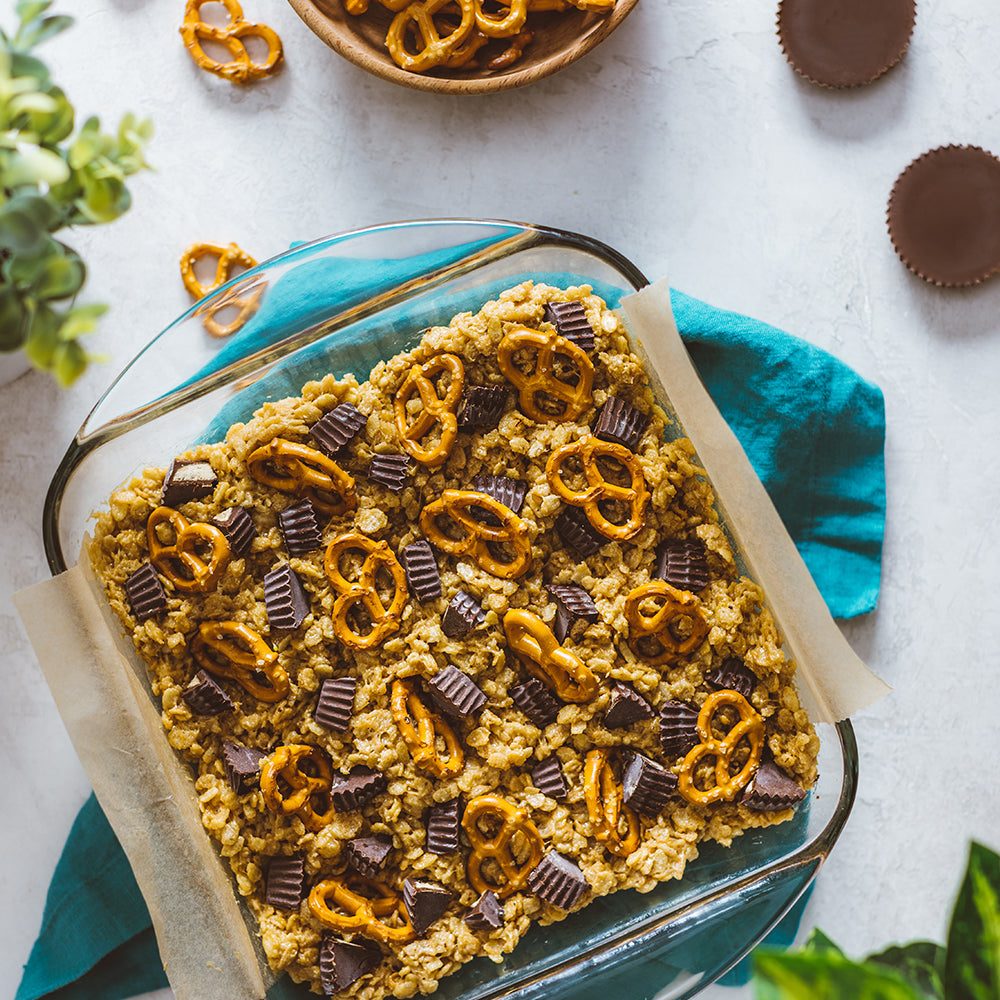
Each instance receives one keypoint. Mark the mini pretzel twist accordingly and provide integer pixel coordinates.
(305, 472)
(635, 496)
(677, 605)
(497, 847)
(364, 912)
(437, 47)
(477, 537)
(605, 807)
(434, 408)
(575, 397)
(363, 591)
(749, 728)
(421, 738)
(295, 780)
(558, 667)
(227, 259)
(236, 651)
(241, 68)
(180, 561)
(502, 25)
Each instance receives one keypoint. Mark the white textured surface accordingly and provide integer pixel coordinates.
(688, 144)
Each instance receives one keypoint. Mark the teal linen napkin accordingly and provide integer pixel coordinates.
(814, 431)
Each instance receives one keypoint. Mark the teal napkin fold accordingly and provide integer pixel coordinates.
(814, 431)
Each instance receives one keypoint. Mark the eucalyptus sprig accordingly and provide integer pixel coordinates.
(51, 179)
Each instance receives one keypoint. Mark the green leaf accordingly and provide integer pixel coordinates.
(43, 211)
(68, 362)
(28, 10)
(972, 965)
(43, 336)
(80, 321)
(12, 319)
(24, 65)
(55, 126)
(103, 198)
(21, 232)
(29, 164)
(920, 963)
(60, 277)
(31, 102)
(22, 268)
(47, 28)
(819, 943)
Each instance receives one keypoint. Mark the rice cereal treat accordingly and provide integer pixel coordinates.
(455, 649)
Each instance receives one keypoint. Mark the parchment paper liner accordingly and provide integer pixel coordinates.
(146, 790)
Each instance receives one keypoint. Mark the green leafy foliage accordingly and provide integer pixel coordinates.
(51, 179)
(967, 969)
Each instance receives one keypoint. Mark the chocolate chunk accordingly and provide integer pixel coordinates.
(286, 882)
(242, 766)
(300, 528)
(285, 598)
(487, 914)
(336, 703)
(646, 785)
(570, 321)
(342, 963)
(206, 697)
(353, 790)
(509, 492)
(425, 902)
(625, 707)
(678, 728)
(573, 603)
(455, 692)
(421, 570)
(770, 789)
(238, 527)
(578, 533)
(368, 855)
(442, 827)
(733, 675)
(557, 880)
(621, 423)
(549, 779)
(462, 615)
(391, 471)
(188, 479)
(683, 564)
(337, 428)
(482, 407)
(536, 701)
(144, 593)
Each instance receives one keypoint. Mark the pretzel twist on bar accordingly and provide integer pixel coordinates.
(180, 561)
(236, 651)
(305, 774)
(677, 606)
(605, 807)
(435, 409)
(296, 468)
(407, 709)
(554, 665)
(364, 913)
(497, 847)
(241, 67)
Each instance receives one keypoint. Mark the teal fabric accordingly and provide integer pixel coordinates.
(814, 431)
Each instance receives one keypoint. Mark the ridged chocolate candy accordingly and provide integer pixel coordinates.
(442, 827)
(286, 882)
(621, 423)
(770, 789)
(368, 855)
(682, 563)
(455, 692)
(391, 471)
(646, 785)
(573, 603)
(425, 902)
(421, 568)
(351, 791)
(549, 779)
(678, 728)
(342, 963)
(557, 880)
(337, 428)
(237, 525)
(626, 707)
(482, 407)
(510, 492)
(578, 533)
(570, 321)
(285, 598)
(733, 675)
(242, 766)
(536, 701)
(144, 593)
(335, 704)
(487, 913)
(300, 528)
(188, 479)
(206, 697)
(462, 615)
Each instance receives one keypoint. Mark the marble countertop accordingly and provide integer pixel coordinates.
(687, 143)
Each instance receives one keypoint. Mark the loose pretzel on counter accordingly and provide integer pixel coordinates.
(241, 67)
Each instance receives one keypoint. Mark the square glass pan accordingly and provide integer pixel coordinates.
(341, 304)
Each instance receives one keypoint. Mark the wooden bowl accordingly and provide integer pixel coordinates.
(559, 39)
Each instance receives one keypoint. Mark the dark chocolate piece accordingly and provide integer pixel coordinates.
(487, 913)
(678, 728)
(482, 407)
(242, 766)
(351, 791)
(391, 471)
(188, 479)
(455, 692)
(733, 675)
(336, 703)
(206, 697)
(536, 701)
(549, 779)
(573, 603)
(337, 428)
(144, 593)
(509, 492)
(425, 902)
(621, 423)
(570, 321)
(625, 707)
(770, 789)
(342, 963)
(462, 615)
(238, 527)
(421, 570)
(557, 880)
(286, 882)
(646, 785)
(683, 564)
(368, 855)
(300, 527)
(442, 827)
(285, 598)
(578, 533)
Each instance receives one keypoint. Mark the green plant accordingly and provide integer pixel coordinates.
(51, 179)
(967, 968)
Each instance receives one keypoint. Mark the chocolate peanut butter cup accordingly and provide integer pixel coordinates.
(206, 697)
(487, 913)
(510, 492)
(625, 707)
(144, 593)
(285, 598)
(678, 728)
(683, 564)
(337, 428)
(770, 789)
(368, 855)
(646, 785)
(621, 423)
(442, 827)
(335, 704)
(188, 479)
(558, 881)
(242, 766)
(360, 785)
(238, 527)
(573, 604)
(536, 701)
(342, 963)
(421, 568)
(300, 528)
(285, 886)
(570, 321)
(425, 902)
(549, 779)
(482, 407)
(455, 692)
(462, 615)
(391, 471)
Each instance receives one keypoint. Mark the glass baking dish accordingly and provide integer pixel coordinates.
(341, 304)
